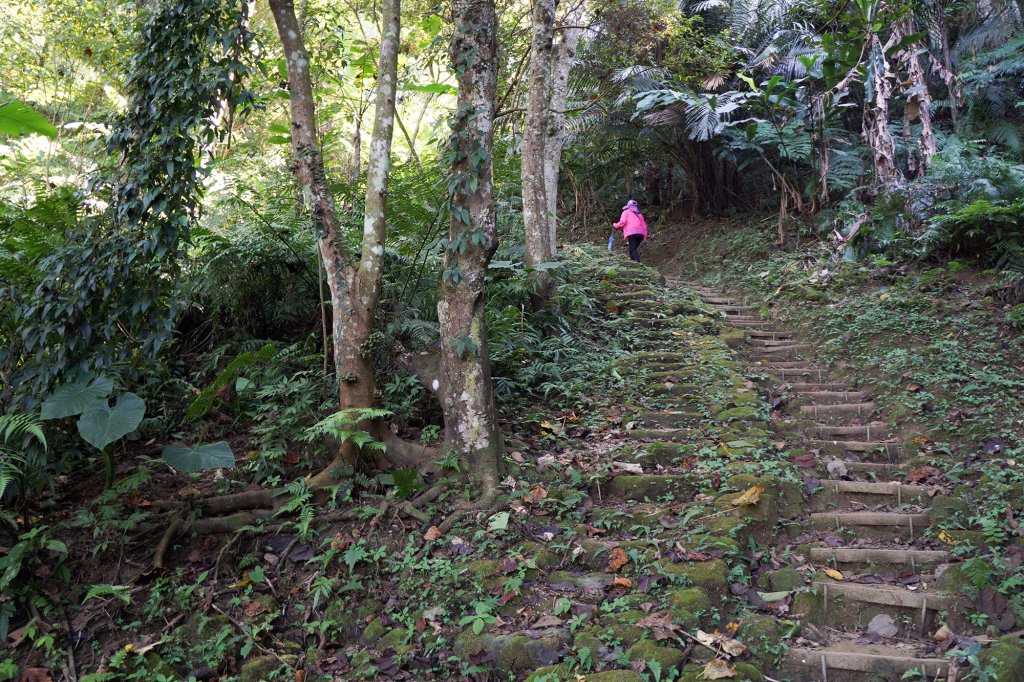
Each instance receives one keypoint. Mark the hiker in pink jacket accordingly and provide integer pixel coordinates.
(633, 226)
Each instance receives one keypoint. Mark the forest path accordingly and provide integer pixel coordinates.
(876, 599)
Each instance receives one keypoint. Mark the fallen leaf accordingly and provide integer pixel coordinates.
(617, 559)
(622, 583)
(660, 625)
(628, 467)
(254, 608)
(750, 496)
(718, 669)
(548, 622)
(433, 533)
(946, 538)
(35, 675)
(833, 573)
(942, 634)
(733, 647)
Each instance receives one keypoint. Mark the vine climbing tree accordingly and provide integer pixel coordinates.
(116, 276)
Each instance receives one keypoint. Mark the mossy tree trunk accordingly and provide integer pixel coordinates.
(470, 422)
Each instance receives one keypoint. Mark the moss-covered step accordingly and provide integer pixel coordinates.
(851, 606)
(670, 418)
(710, 575)
(841, 494)
(882, 558)
(850, 662)
(778, 500)
(645, 487)
(873, 525)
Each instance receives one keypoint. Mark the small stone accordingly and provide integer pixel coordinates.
(883, 625)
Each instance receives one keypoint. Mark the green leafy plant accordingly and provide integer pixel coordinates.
(99, 424)
(17, 432)
(198, 457)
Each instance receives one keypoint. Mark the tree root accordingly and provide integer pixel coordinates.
(168, 537)
(486, 502)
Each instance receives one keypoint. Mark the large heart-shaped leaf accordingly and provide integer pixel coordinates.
(76, 398)
(17, 118)
(102, 424)
(210, 456)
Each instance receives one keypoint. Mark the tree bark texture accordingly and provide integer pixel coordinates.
(918, 103)
(535, 202)
(878, 91)
(355, 286)
(563, 58)
(470, 423)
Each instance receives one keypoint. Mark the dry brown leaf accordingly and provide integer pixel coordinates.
(751, 495)
(548, 622)
(733, 647)
(624, 583)
(254, 608)
(718, 669)
(833, 573)
(660, 625)
(433, 533)
(942, 634)
(617, 559)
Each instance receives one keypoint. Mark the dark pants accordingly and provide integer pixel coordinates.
(634, 245)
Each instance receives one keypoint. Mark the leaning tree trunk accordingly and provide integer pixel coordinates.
(354, 285)
(470, 422)
(535, 201)
(918, 103)
(875, 121)
(561, 66)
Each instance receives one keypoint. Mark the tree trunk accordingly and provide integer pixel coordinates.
(878, 91)
(354, 287)
(535, 202)
(470, 422)
(918, 104)
(562, 65)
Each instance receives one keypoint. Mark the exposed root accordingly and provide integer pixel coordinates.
(486, 502)
(229, 524)
(222, 552)
(165, 541)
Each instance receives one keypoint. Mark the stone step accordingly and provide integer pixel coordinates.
(732, 308)
(892, 493)
(788, 364)
(831, 397)
(867, 432)
(786, 374)
(743, 318)
(672, 419)
(779, 348)
(850, 662)
(719, 300)
(857, 558)
(863, 409)
(851, 606)
(762, 344)
(877, 525)
(774, 336)
(887, 450)
(758, 326)
(641, 487)
(670, 389)
(879, 470)
(811, 387)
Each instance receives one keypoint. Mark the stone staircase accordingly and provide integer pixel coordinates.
(863, 519)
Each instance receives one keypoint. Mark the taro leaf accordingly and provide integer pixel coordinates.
(76, 398)
(102, 424)
(17, 118)
(196, 458)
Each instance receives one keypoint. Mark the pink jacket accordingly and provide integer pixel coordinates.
(632, 222)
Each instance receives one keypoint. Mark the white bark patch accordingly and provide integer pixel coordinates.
(377, 250)
(435, 384)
